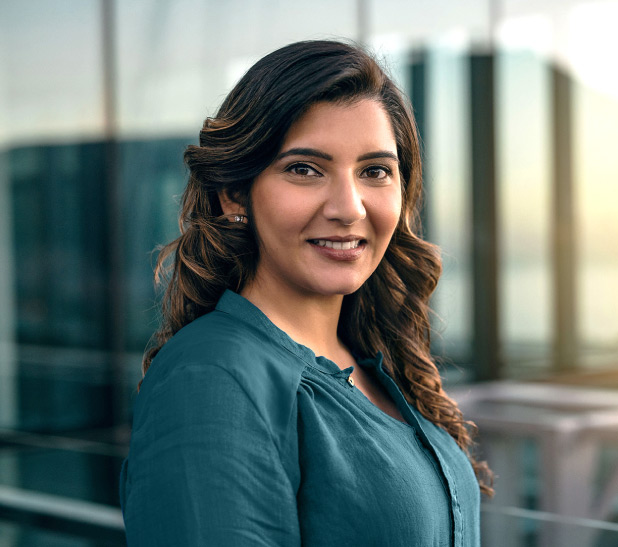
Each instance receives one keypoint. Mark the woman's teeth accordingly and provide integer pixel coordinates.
(336, 244)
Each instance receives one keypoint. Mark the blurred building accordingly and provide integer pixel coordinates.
(517, 105)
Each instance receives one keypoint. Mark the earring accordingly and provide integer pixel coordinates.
(239, 218)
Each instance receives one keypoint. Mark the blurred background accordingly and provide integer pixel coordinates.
(517, 105)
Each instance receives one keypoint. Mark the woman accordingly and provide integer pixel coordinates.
(290, 397)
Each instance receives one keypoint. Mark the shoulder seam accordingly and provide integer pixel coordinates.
(248, 396)
(278, 448)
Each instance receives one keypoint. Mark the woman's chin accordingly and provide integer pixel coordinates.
(341, 289)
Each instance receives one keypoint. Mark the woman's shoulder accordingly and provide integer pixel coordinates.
(219, 339)
(213, 336)
(216, 349)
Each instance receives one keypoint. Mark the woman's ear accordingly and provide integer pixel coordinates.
(229, 206)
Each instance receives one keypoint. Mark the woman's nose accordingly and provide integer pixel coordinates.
(345, 201)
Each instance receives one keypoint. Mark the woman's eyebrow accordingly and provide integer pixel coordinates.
(378, 154)
(319, 154)
(304, 152)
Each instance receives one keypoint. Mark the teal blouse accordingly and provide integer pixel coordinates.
(243, 437)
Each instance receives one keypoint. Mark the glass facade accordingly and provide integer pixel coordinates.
(517, 106)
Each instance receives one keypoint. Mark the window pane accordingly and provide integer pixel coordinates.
(593, 43)
(524, 171)
(51, 54)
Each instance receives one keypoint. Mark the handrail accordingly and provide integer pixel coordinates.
(60, 514)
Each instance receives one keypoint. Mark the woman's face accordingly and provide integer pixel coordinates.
(325, 210)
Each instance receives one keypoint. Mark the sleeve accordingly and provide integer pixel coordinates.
(203, 468)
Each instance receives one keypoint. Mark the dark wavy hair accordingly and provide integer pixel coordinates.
(390, 312)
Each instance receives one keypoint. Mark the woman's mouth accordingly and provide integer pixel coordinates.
(342, 245)
(346, 251)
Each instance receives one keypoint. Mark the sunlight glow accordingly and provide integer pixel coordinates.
(593, 43)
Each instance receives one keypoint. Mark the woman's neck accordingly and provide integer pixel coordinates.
(308, 319)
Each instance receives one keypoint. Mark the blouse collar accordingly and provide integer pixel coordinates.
(239, 307)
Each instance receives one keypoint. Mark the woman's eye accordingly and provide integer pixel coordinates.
(303, 170)
(377, 172)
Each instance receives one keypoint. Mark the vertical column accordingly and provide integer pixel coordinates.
(569, 460)
(8, 315)
(115, 316)
(486, 346)
(8, 350)
(362, 21)
(563, 237)
(418, 97)
(9, 395)
(504, 451)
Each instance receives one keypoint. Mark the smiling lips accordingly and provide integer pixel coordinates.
(336, 244)
(340, 248)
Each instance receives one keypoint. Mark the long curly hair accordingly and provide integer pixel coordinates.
(390, 312)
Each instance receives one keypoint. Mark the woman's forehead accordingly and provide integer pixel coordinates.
(361, 124)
